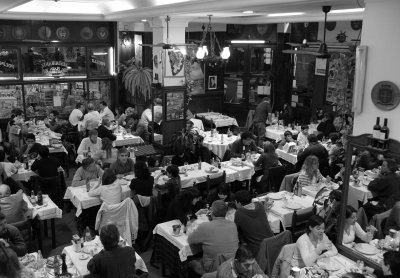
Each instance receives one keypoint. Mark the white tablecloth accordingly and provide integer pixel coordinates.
(218, 119)
(289, 157)
(274, 133)
(285, 214)
(48, 211)
(215, 144)
(341, 261)
(23, 174)
(81, 200)
(43, 135)
(197, 123)
(127, 139)
(358, 193)
(81, 265)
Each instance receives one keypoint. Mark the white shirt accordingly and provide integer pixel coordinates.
(110, 194)
(355, 230)
(302, 140)
(107, 114)
(86, 144)
(147, 116)
(91, 120)
(75, 116)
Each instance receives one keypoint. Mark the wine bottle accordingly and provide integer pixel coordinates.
(376, 132)
(385, 130)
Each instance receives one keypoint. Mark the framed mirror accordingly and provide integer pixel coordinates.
(370, 192)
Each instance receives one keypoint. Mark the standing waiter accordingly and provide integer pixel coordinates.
(261, 115)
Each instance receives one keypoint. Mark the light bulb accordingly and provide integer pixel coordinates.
(225, 54)
(205, 50)
(200, 53)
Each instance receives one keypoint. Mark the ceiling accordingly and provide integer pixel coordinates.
(224, 11)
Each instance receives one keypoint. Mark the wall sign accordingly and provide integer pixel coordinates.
(54, 68)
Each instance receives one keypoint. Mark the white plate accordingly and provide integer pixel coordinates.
(366, 248)
(328, 265)
(275, 196)
(83, 256)
(294, 206)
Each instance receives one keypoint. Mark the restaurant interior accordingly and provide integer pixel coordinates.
(143, 138)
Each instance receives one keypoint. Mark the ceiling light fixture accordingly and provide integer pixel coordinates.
(345, 11)
(202, 51)
(285, 14)
(144, 20)
(248, 12)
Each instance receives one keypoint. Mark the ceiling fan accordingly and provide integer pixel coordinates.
(318, 49)
(168, 45)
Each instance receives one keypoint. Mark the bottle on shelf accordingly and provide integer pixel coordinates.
(376, 130)
(39, 197)
(56, 266)
(88, 236)
(33, 198)
(199, 164)
(385, 130)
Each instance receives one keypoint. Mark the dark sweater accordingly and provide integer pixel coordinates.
(253, 226)
(237, 148)
(319, 151)
(267, 161)
(12, 235)
(104, 132)
(46, 167)
(143, 187)
(386, 188)
(118, 262)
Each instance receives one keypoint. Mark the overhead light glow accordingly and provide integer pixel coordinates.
(247, 41)
(248, 12)
(345, 11)
(144, 20)
(58, 7)
(285, 14)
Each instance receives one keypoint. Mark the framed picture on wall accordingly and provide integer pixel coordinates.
(175, 105)
(212, 82)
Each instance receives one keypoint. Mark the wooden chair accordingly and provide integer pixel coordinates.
(274, 179)
(212, 183)
(299, 222)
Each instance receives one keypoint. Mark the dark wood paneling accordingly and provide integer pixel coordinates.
(210, 101)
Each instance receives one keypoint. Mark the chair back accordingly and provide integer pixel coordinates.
(53, 186)
(124, 215)
(299, 222)
(270, 249)
(285, 256)
(212, 183)
(25, 228)
(288, 182)
(275, 177)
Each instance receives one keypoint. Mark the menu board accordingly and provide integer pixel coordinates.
(10, 98)
(175, 105)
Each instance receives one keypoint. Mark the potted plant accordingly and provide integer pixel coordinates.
(136, 79)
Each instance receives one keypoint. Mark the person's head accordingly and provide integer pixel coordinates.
(223, 191)
(189, 197)
(265, 99)
(93, 136)
(157, 116)
(53, 114)
(172, 171)
(9, 263)
(108, 177)
(327, 117)
(338, 122)
(109, 236)
(389, 166)
(129, 111)
(105, 122)
(351, 215)
(304, 129)
(90, 106)
(18, 112)
(269, 148)
(247, 138)
(316, 226)
(103, 104)
(3, 222)
(288, 136)
(44, 152)
(189, 125)
(120, 111)
(219, 208)
(242, 198)
(123, 155)
(244, 259)
(352, 275)
(311, 165)
(79, 106)
(30, 138)
(141, 170)
(391, 263)
(158, 101)
(334, 136)
(5, 190)
(312, 138)
(88, 164)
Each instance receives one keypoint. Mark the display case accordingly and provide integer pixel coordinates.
(9, 67)
(358, 146)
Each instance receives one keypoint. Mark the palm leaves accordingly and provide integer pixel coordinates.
(137, 79)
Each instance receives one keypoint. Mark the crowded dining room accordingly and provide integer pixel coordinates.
(199, 139)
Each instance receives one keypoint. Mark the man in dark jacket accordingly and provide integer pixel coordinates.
(385, 189)
(104, 131)
(252, 223)
(326, 126)
(261, 114)
(315, 148)
(243, 145)
(11, 237)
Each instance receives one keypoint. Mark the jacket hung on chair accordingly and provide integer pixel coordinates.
(124, 215)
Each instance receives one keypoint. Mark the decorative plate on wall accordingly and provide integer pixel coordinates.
(385, 95)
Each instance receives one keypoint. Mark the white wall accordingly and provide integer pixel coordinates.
(381, 33)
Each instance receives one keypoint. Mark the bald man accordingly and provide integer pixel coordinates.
(5, 191)
(92, 119)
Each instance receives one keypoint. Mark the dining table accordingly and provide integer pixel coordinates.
(124, 138)
(46, 137)
(218, 143)
(275, 132)
(218, 119)
(23, 173)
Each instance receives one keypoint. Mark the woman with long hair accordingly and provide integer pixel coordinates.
(181, 207)
(9, 263)
(268, 158)
(309, 173)
(109, 189)
(143, 182)
(353, 229)
(223, 193)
